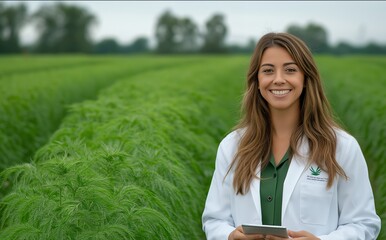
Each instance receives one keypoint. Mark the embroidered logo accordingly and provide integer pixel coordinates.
(315, 172)
(316, 175)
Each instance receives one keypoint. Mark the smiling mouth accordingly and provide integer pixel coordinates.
(280, 92)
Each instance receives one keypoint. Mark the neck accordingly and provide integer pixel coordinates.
(284, 122)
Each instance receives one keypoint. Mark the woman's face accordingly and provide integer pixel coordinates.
(281, 80)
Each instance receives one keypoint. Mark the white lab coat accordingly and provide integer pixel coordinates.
(346, 211)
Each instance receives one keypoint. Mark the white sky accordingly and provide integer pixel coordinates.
(356, 22)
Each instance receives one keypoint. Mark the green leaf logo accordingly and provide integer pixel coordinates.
(315, 172)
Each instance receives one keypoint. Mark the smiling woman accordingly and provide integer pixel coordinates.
(288, 157)
(280, 80)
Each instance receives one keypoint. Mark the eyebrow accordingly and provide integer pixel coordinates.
(271, 65)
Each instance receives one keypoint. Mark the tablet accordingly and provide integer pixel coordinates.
(278, 231)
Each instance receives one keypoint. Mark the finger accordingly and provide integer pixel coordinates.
(239, 234)
(259, 237)
(254, 236)
(271, 237)
(250, 236)
(295, 234)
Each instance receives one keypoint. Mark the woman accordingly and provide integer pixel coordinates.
(288, 163)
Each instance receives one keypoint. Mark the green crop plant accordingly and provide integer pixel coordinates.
(133, 164)
(32, 103)
(135, 160)
(16, 64)
(355, 89)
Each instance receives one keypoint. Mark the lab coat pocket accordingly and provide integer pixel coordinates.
(315, 203)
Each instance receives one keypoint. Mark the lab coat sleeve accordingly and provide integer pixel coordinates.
(357, 216)
(217, 218)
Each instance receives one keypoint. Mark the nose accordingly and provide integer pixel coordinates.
(279, 78)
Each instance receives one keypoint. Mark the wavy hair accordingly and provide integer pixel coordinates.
(316, 122)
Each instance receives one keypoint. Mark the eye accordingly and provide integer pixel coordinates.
(291, 70)
(267, 70)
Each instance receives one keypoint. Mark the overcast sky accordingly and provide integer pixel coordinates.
(356, 22)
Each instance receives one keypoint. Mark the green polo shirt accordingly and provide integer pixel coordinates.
(271, 189)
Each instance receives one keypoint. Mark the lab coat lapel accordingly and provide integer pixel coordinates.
(295, 170)
(255, 191)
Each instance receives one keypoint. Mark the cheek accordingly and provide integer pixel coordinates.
(262, 94)
(262, 82)
(297, 81)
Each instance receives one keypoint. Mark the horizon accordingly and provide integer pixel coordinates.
(357, 23)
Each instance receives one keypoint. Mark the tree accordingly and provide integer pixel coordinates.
(166, 33)
(247, 48)
(314, 35)
(176, 35)
(48, 20)
(214, 38)
(12, 18)
(108, 45)
(139, 45)
(2, 27)
(186, 36)
(374, 48)
(64, 28)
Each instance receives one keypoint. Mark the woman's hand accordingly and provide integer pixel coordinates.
(238, 233)
(300, 235)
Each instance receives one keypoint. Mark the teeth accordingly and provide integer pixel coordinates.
(280, 92)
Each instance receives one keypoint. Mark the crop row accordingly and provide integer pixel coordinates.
(16, 65)
(355, 88)
(133, 164)
(32, 103)
(138, 160)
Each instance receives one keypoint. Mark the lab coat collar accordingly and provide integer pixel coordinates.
(297, 166)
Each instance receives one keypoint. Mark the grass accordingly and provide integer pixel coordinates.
(33, 103)
(129, 164)
(355, 89)
(125, 147)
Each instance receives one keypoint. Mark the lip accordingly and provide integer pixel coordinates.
(280, 92)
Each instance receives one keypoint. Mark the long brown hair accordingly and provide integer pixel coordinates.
(316, 121)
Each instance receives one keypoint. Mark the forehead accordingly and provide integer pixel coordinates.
(276, 54)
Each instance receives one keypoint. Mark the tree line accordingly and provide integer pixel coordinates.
(64, 28)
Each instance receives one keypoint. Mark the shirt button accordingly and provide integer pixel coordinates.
(274, 175)
(269, 198)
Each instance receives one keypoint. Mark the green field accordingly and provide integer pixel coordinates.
(124, 147)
